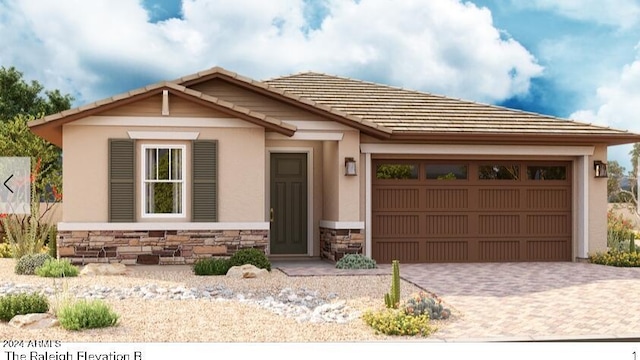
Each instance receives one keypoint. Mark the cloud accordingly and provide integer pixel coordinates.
(619, 107)
(98, 48)
(616, 13)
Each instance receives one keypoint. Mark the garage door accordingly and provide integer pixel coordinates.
(471, 211)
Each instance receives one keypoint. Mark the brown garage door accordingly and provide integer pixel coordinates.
(471, 211)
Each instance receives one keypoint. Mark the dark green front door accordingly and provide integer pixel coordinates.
(288, 203)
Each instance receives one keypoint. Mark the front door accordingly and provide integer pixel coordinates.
(288, 213)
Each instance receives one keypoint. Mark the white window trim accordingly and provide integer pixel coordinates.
(143, 168)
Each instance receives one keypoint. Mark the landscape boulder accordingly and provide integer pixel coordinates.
(34, 321)
(246, 271)
(104, 269)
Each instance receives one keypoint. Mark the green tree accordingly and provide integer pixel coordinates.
(614, 182)
(17, 97)
(21, 102)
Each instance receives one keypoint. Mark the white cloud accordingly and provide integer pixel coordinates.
(443, 46)
(619, 102)
(617, 13)
(619, 107)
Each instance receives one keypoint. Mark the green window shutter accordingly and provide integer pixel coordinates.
(121, 180)
(204, 198)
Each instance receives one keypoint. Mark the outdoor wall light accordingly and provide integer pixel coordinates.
(349, 166)
(600, 168)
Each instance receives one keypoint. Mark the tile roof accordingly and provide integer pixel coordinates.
(407, 111)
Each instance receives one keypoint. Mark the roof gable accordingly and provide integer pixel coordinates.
(50, 127)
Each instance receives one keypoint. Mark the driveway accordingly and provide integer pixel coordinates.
(525, 301)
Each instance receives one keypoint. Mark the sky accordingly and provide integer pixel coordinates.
(575, 59)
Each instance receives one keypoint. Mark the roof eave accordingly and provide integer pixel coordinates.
(519, 138)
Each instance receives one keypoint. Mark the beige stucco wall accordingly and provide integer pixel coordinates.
(597, 204)
(85, 169)
(330, 177)
(349, 186)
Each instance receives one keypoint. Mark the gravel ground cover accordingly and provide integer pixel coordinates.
(209, 320)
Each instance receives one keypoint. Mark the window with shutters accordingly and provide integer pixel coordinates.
(163, 180)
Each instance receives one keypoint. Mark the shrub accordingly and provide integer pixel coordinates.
(5, 250)
(85, 314)
(423, 303)
(619, 232)
(28, 264)
(57, 268)
(211, 266)
(397, 322)
(21, 304)
(356, 261)
(616, 258)
(251, 256)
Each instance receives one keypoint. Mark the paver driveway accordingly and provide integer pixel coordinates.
(507, 301)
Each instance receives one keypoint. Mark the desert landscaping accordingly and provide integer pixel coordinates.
(171, 304)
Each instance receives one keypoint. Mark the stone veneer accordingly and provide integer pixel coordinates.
(335, 243)
(164, 246)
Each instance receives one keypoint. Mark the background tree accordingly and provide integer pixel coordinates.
(21, 102)
(614, 182)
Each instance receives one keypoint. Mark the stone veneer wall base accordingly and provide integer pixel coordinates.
(170, 246)
(335, 243)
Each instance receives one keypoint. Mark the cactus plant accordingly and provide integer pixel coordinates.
(392, 298)
(422, 303)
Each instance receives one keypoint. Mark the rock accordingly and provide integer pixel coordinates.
(246, 271)
(104, 269)
(34, 321)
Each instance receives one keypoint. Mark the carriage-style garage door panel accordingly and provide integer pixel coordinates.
(457, 211)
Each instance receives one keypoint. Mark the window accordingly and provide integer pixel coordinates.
(163, 183)
(498, 172)
(446, 172)
(396, 171)
(547, 172)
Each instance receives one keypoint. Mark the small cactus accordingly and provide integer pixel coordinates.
(392, 298)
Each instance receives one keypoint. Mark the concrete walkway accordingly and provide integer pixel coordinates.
(520, 301)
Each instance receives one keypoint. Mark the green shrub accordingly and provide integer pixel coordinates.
(397, 322)
(5, 250)
(251, 256)
(85, 314)
(356, 261)
(211, 266)
(28, 264)
(423, 303)
(616, 258)
(21, 304)
(57, 268)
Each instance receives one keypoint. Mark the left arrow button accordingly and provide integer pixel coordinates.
(6, 181)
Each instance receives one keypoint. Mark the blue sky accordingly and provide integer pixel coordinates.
(577, 59)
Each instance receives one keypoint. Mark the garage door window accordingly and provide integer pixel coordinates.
(547, 172)
(397, 171)
(498, 172)
(446, 172)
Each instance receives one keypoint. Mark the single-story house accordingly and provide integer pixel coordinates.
(314, 165)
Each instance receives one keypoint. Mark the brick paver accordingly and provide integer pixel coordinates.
(521, 300)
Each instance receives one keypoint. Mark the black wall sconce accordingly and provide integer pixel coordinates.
(349, 166)
(600, 169)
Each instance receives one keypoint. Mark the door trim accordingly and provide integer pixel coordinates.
(284, 150)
